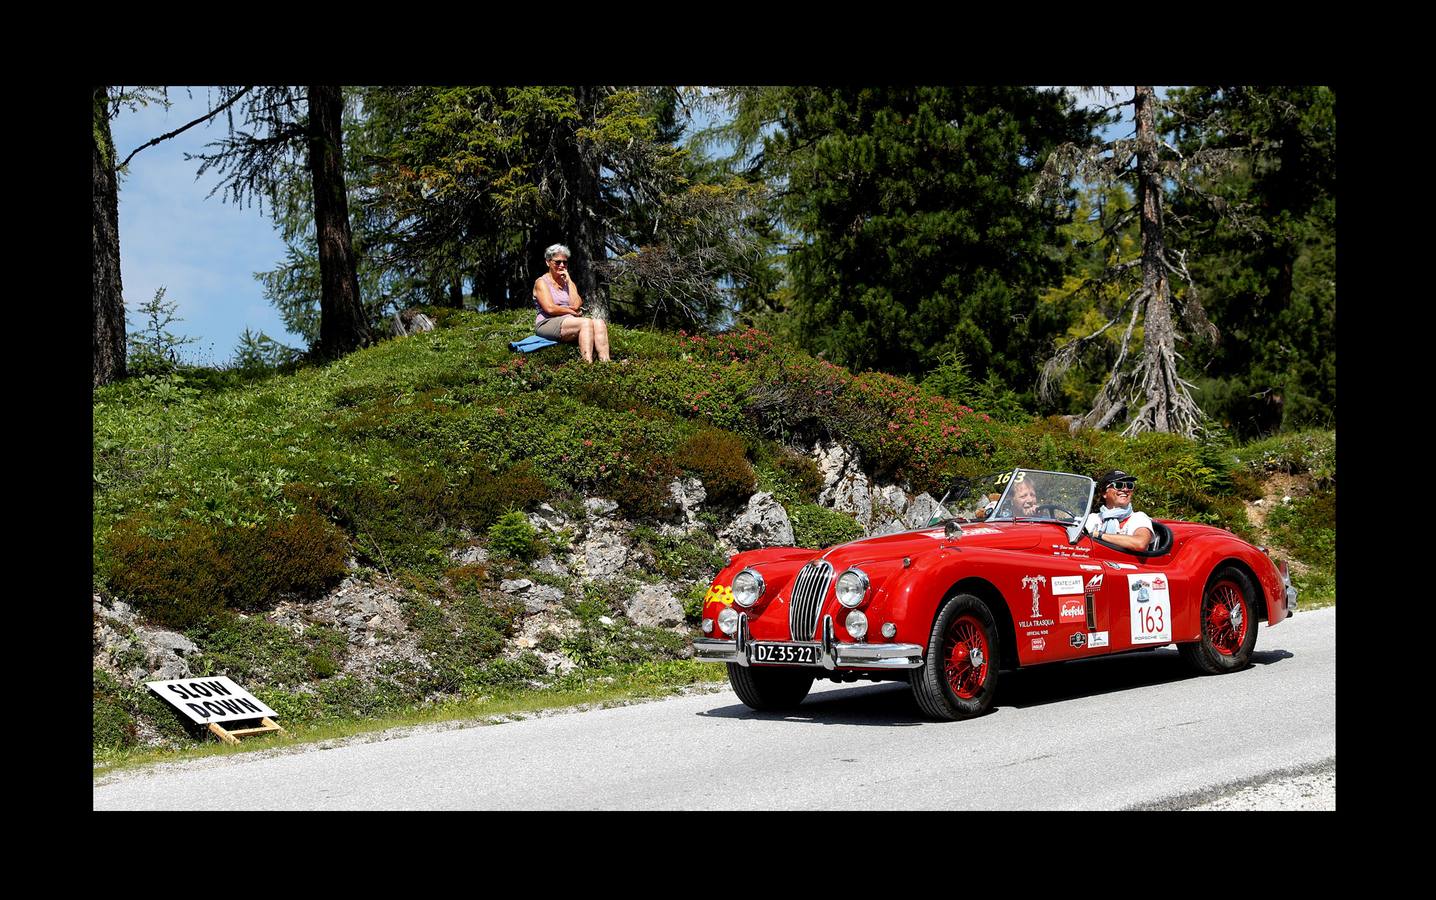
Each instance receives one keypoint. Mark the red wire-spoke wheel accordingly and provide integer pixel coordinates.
(967, 657)
(1228, 624)
(1225, 616)
(958, 678)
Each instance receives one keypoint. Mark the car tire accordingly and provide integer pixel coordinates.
(958, 678)
(769, 689)
(1228, 622)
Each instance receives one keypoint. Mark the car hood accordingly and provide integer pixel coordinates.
(1002, 536)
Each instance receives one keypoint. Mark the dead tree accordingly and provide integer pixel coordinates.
(1142, 387)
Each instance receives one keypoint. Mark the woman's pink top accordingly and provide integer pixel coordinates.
(559, 295)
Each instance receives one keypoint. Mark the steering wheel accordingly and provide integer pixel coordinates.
(1057, 511)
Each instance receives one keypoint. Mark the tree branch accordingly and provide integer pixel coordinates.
(183, 128)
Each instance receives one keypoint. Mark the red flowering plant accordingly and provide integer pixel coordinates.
(913, 438)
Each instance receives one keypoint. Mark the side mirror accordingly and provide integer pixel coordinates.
(952, 530)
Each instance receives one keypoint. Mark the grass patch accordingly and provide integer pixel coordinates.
(641, 681)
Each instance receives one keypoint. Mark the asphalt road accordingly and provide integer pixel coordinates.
(1135, 731)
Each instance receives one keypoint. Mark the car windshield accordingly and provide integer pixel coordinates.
(1031, 494)
(971, 499)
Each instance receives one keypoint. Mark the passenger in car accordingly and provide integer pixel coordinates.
(1115, 520)
(1022, 502)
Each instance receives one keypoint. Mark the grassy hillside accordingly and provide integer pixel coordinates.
(218, 496)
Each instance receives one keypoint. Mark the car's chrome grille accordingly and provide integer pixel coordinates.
(809, 589)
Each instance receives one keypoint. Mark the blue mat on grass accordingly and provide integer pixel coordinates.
(531, 343)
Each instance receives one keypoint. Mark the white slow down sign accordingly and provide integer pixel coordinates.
(214, 699)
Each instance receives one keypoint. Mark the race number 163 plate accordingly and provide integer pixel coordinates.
(1151, 609)
(788, 654)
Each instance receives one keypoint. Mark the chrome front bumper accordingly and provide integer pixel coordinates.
(1290, 592)
(833, 654)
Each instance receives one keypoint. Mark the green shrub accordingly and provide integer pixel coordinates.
(801, 472)
(951, 378)
(1299, 453)
(693, 600)
(640, 488)
(601, 647)
(469, 577)
(204, 570)
(458, 633)
(322, 665)
(1307, 527)
(511, 673)
(252, 650)
(113, 725)
(513, 536)
(118, 710)
(479, 498)
(718, 458)
(818, 526)
(798, 399)
(679, 558)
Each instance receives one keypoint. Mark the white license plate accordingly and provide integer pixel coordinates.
(787, 654)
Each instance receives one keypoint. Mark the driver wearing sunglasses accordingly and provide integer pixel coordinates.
(1115, 520)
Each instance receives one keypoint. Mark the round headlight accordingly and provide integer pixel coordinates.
(728, 621)
(852, 588)
(857, 624)
(747, 587)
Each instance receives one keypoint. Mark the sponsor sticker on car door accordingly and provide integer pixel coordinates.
(1151, 609)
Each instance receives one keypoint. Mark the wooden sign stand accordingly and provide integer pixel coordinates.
(267, 726)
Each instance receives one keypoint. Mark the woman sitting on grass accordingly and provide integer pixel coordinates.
(560, 309)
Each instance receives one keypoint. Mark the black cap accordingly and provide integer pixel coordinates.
(1114, 475)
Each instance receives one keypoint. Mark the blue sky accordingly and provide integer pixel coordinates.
(203, 251)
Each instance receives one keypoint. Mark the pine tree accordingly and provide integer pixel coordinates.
(912, 237)
(1264, 250)
(106, 288)
(479, 180)
(287, 127)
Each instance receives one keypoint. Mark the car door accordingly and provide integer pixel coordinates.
(1053, 603)
(1137, 599)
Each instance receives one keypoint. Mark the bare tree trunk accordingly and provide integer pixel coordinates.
(106, 288)
(590, 237)
(1166, 404)
(456, 290)
(343, 326)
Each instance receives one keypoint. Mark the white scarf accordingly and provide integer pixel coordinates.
(1112, 518)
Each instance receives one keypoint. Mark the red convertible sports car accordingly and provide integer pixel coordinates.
(945, 607)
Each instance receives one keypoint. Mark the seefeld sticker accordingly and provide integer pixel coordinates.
(1066, 584)
(1151, 605)
(1097, 639)
(1074, 609)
